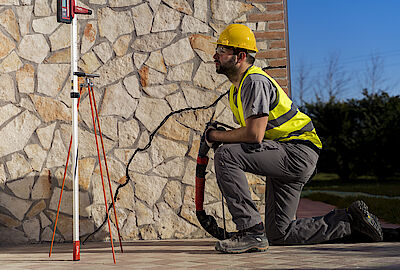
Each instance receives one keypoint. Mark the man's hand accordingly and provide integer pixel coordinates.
(209, 128)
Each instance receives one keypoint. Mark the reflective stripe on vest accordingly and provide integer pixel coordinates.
(285, 121)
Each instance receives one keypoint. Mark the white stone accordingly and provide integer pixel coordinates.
(131, 84)
(33, 48)
(45, 25)
(109, 127)
(42, 188)
(149, 76)
(154, 4)
(59, 111)
(180, 5)
(10, 63)
(89, 36)
(66, 205)
(176, 101)
(227, 10)
(128, 133)
(200, 10)
(123, 3)
(8, 111)
(193, 25)
(130, 231)
(17, 133)
(3, 177)
(42, 8)
(156, 61)
(18, 166)
(141, 163)
(57, 153)
(37, 156)
(113, 24)
(9, 22)
(116, 170)
(98, 2)
(190, 173)
(148, 188)
(153, 42)
(9, 2)
(87, 143)
(144, 215)
(114, 70)
(61, 38)
(6, 45)
(151, 112)
(103, 51)
(172, 168)
(170, 225)
(207, 77)
(22, 188)
(45, 135)
(97, 189)
(117, 101)
(121, 46)
(142, 17)
(162, 149)
(85, 167)
(17, 207)
(196, 97)
(51, 77)
(26, 79)
(165, 19)
(173, 194)
(44, 220)
(139, 59)
(89, 63)
(24, 18)
(160, 91)
(178, 52)
(182, 72)
(32, 229)
(85, 110)
(7, 92)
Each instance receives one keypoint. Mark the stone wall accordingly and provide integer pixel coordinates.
(154, 57)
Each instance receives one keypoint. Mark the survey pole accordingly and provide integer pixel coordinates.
(75, 174)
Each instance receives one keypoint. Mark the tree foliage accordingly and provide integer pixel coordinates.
(359, 137)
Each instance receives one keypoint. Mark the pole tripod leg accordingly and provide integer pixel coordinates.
(223, 214)
(101, 171)
(105, 161)
(62, 188)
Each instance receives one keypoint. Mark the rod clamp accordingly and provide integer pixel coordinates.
(75, 95)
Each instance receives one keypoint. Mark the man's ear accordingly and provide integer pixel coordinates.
(242, 56)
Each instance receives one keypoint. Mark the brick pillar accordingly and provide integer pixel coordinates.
(275, 35)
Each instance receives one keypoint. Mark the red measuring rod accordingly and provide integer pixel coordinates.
(66, 10)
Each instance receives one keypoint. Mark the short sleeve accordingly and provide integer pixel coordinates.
(257, 94)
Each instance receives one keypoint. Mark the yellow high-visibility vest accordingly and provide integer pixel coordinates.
(285, 121)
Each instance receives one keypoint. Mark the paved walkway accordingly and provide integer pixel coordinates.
(200, 254)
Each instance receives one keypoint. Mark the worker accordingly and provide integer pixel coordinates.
(275, 140)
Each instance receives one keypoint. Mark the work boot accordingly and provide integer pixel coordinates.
(248, 240)
(363, 222)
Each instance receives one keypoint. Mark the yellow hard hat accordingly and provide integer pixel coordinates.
(238, 36)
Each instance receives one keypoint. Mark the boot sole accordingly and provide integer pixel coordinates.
(370, 226)
(242, 250)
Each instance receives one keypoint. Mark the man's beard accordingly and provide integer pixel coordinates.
(228, 68)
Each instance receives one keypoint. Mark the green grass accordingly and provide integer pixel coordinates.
(387, 209)
(364, 184)
(384, 208)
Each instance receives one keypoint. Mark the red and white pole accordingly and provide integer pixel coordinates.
(75, 172)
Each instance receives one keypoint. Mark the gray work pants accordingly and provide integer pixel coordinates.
(287, 167)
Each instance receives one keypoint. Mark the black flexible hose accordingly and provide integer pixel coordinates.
(128, 178)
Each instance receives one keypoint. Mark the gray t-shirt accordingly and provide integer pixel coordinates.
(257, 94)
